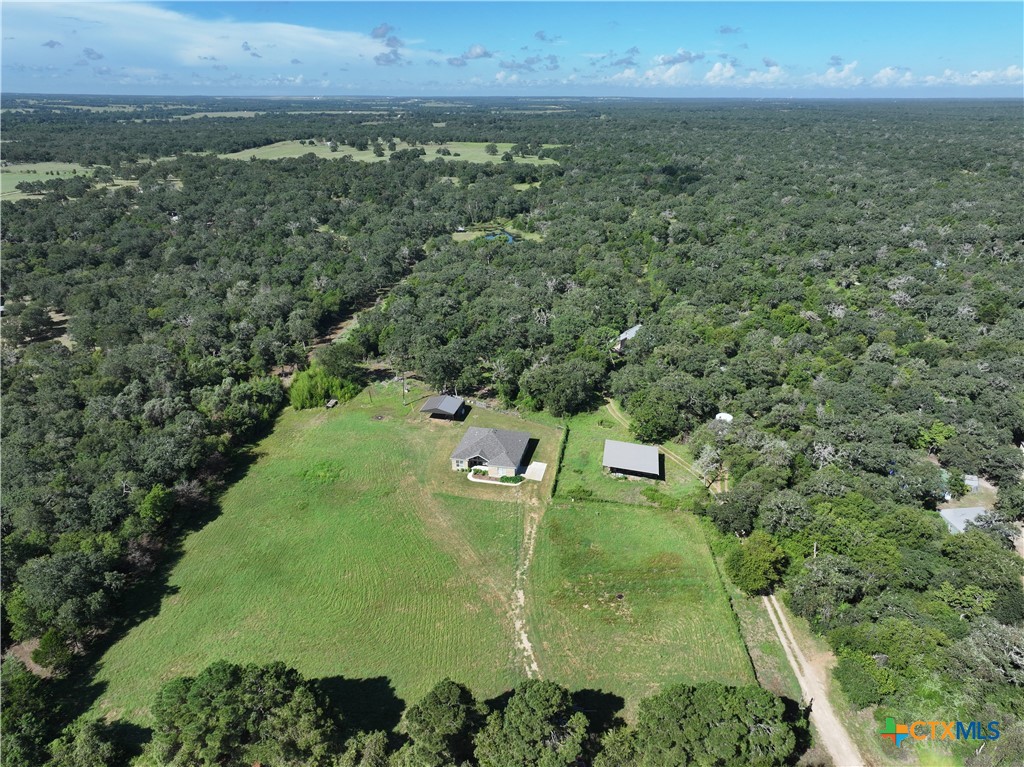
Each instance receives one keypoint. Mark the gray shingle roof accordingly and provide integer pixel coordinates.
(442, 404)
(957, 519)
(496, 446)
(631, 457)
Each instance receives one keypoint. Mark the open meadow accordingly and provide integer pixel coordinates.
(349, 549)
(470, 151)
(12, 175)
(625, 599)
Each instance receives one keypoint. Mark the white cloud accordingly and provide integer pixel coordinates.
(184, 40)
(1012, 75)
(720, 73)
(838, 77)
(888, 77)
(773, 75)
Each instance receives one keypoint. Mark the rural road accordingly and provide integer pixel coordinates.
(812, 684)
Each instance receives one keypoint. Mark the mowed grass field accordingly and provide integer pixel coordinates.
(349, 549)
(672, 623)
(584, 452)
(471, 151)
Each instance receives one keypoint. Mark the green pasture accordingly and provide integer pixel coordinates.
(673, 622)
(472, 151)
(584, 452)
(348, 549)
(12, 175)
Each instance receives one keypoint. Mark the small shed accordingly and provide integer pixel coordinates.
(957, 519)
(444, 406)
(725, 417)
(972, 481)
(627, 335)
(632, 459)
(332, 403)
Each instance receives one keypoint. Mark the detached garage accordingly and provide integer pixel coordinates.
(632, 460)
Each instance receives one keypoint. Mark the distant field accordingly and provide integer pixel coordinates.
(12, 175)
(673, 622)
(472, 151)
(482, 230)
(584, 451)
(197, 115)
(348, 549)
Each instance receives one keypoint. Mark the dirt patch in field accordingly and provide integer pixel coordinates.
(23, 652)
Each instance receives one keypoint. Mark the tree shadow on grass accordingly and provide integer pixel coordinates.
(141, 600)
(602, 709)
(131, 737)
(365, 704)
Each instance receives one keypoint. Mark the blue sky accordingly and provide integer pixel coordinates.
(668, 49)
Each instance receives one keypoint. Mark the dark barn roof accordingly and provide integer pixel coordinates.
(442, 404)
(628, 456)
(496, 446)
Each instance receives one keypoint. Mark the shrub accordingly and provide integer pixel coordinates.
(579, 493)
(53, 652)
(511, 480)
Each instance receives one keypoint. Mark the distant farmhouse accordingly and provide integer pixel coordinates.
(620, 342)
(444, 406)
(631, 459)
(499, 451)
(957, 519)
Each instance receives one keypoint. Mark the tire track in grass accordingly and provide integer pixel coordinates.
(833, 734)
(531, 524)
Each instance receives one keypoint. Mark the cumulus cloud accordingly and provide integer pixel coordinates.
(727, 30)
(381, 31)
(208, 58)
(50, 44)
(1012, 75)
(681, 56)
(91, 54)
(246, 47)
(388, 59)
(475, 52)
(720, 73)
(892, 76)
(835, 61)
(393, 42)
(531, 63)
(839, 77)
(773, 75)
(769, 62)
(296, 61)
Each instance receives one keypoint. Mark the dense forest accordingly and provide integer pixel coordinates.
(844, 279)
